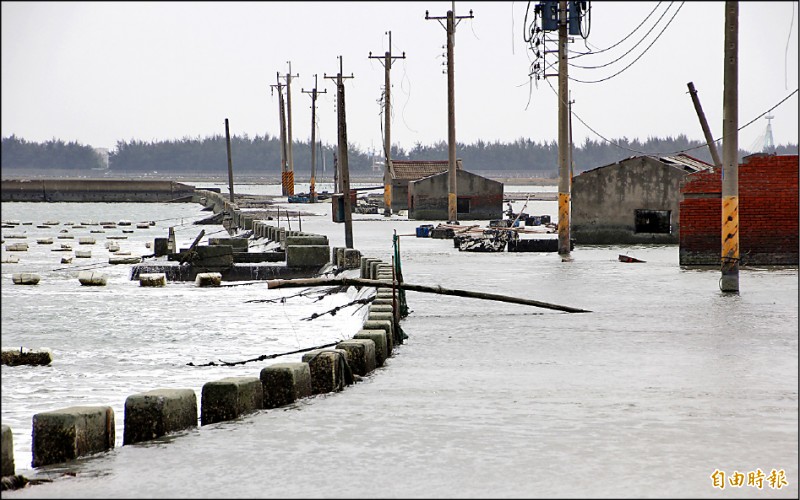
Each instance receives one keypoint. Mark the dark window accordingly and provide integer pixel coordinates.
(462, 205)
(653, 221)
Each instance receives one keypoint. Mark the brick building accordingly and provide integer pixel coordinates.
(768, 213)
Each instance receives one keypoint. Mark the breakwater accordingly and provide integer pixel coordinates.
(94, 190)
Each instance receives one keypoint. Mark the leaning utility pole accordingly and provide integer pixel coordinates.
(387, 141)
(312, 193)
(230, 163)
(729, 282)
(344, 173)
(563, 133)
(289, 142)
(452, 197)
(712, 147)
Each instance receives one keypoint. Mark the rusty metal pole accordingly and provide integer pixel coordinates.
(230, 163)
(729, 282)
(712, 146)
(563, 134)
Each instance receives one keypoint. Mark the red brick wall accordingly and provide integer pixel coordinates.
(768, 213)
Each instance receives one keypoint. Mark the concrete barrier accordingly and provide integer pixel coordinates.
(17, 247)
(285, 383)
(7, 452)
(25, 278)
(92, 278)
(381, 308)
(352, 258)
(208, 279)
(229, 398)
(152, 414)
(361, 353)
(386, 326)
(73, 432)
(330, 371)
(153, 279)
(306, 239)
(378, 337)
(307, 255)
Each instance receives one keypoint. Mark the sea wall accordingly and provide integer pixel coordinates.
(99, 190)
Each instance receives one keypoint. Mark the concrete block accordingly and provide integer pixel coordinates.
(386, 326)
(373, 269)
(7, 452)
(381, 308)
(230, 397)
(124, 259)
(302, 240)
(383, 302)
(236, 244)
(69, 433)
(25, 278)
(152, 414)
(92, 278)
(160, 246)
(307, 255)
(153, 279)
(378, 337)
(352, 258)
(329, 370)
(339, 260)
(361, 353)
(285, 383)
(208, 279)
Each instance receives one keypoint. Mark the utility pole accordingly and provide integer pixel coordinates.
(387, 141)
(289, 142)
(452, 196)
(230, 163)
(563, 134)
(344, 173)
(312, 193)
(712, 147)
(282, 123)
(729, 282)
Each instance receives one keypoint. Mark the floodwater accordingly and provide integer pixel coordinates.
(664, 382)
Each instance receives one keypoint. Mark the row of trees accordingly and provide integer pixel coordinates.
(261, 155)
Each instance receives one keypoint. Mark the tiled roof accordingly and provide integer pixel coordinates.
(686, 162)
(416, 169)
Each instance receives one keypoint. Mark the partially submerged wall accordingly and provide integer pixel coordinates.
(101, 190)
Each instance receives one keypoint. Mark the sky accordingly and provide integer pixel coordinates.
(102, 72)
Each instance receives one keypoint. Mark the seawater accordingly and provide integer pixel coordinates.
(664, 382)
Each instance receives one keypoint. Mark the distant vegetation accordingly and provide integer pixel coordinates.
(261, 156)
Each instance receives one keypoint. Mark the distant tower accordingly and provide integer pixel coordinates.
(769, 145)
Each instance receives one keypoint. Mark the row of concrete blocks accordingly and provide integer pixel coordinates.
(69, 433)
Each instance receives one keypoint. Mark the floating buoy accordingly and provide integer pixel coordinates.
(66, 260)
(142, 225)
(108, 223)
(128, 231)
(25, 278)
(76, 227)
(86, 240)
(208, 279)
(92, 278)
(11, 259)
(124, 223)
(16, 236)
(153, 279)
(65, 237)
(83, 254)
(97, 231)
(125, 252)
(51, 223)
(113, 248)
(45, 241)
(148, 244)
(17, 247)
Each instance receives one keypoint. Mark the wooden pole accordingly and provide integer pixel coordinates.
(230, 163)
(309, 282)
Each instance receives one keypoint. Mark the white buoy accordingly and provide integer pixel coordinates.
(25, 278)
(153, 279)
(83, 254)
(142, 225)
(208, 279)
(86, 240)
(92, 278)
(113, 248)
(44, 241)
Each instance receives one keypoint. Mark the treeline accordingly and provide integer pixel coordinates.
(261, 155)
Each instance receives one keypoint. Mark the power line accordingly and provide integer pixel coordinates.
(580, 54)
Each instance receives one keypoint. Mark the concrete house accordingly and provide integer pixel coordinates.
(478, 198)
(404, 171)
(636, 200)
(768, 213)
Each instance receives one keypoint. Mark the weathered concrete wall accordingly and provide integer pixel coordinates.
(69, 433)
(605, 200)
(768, 213)
(428, 197)
(101, 190)
(152, 414)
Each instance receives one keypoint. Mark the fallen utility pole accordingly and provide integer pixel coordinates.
(712, 147)
(308, 282)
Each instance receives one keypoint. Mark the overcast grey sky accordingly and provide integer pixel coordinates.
(100, 72)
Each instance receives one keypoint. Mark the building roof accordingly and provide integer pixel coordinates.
(682, 161)
(412, 170)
